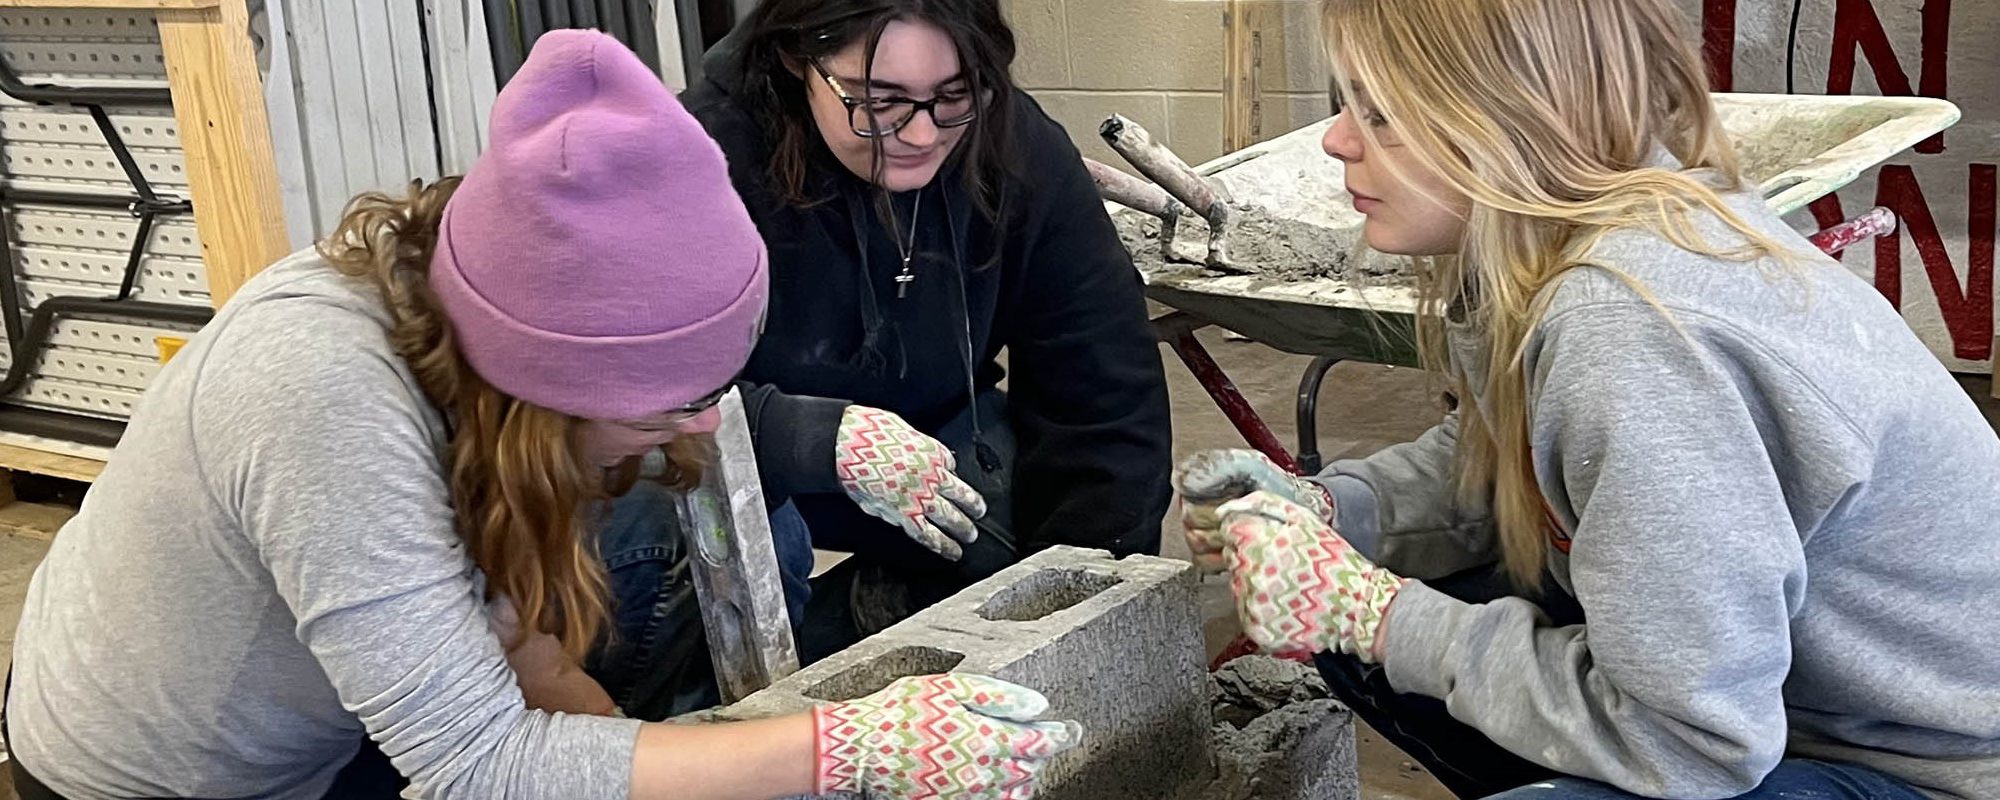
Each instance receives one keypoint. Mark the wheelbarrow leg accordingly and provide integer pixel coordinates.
(1177, 330)
(1308, 410)
(1877, 222)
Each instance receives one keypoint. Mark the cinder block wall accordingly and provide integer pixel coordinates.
(1160, 62)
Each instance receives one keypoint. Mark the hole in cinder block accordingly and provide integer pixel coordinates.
(1045, 593)
(875, 674)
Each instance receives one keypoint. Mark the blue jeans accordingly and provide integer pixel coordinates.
(655, 662)
(1471, 765)
(1794, 779)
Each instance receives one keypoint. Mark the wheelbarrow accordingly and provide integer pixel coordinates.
(1795, 148)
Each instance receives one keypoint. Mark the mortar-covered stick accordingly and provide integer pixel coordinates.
(1206, 199)
(1125, 190)
(1161, 166)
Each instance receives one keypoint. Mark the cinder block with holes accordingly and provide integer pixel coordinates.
(1114, 644)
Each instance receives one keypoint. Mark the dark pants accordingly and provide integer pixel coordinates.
(1471, 765)
(889, 576)
(656, 665)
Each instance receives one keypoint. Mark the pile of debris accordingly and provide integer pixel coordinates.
(1278, 735)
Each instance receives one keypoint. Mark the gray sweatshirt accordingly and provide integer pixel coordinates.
(267, 572)
(1783, 527)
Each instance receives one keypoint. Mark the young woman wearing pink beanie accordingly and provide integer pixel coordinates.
(355, 509)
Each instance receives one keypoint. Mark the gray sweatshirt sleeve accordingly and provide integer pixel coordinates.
(1681, 551)
(327, 460)
(1400, 507)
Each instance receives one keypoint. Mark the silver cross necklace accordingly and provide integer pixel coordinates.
(908, 251)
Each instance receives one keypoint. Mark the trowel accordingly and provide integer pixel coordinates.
(1242, 237)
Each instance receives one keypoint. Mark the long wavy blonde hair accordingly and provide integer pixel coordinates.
(1546, 114)
(521, 490)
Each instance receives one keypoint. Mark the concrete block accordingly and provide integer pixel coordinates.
(1146, 44)
(1195, 129)
(1041, 42)
(1284, 113)
(1114, 644)
(1195, 120)
(1081, 112)
(1295, 58)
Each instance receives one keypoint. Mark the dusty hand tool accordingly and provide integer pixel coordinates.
(1242, 237)
(1206, 199)
(1138, 195)
(735, 564)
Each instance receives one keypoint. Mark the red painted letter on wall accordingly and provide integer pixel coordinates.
(1967, 311)
(1856, 26)
(1718, 42)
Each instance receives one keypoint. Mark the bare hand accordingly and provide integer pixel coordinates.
(549, 679)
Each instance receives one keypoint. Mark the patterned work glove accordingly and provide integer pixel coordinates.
(1208, 479)
(939, 736)
(1300, 588)
(899, 475)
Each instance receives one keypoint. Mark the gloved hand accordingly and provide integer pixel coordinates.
(899, 475)
(1208, 479)
(1300, 588)
(939, 736)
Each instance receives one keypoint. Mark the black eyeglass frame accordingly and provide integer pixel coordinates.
(856, 106)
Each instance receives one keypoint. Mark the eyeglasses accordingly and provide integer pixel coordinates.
(876, 117)
(696, 408)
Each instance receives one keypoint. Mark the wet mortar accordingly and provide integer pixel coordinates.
(1278, 735)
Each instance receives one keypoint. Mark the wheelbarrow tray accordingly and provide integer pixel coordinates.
(1795, 148)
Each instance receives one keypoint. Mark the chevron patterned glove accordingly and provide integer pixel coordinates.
(1300, 588)
(1208, 479)
(900, 476)
(939, 736)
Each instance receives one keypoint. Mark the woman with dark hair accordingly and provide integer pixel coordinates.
(922, 215)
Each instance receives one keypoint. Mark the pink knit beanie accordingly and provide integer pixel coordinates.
(596, 260)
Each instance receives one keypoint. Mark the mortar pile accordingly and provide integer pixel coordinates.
(1278, 734)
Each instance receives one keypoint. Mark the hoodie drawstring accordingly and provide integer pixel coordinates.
(988, 460)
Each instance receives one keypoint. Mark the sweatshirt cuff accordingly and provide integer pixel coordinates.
(1355, 515)
(795, 436)
(1420, 629)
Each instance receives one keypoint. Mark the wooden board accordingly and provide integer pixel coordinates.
(226, 139)
(1997, 369)
(124, 5)
(55, 465)
(1242, 88)
(33, 520)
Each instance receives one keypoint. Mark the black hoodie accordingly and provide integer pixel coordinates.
(1087, 397)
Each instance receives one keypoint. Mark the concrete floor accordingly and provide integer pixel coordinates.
(1363, 408)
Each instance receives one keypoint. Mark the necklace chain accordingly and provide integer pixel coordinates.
(909, 251)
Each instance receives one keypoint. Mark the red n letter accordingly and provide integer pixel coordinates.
(1967, 313)
(1855, 25)
(1718, 42)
